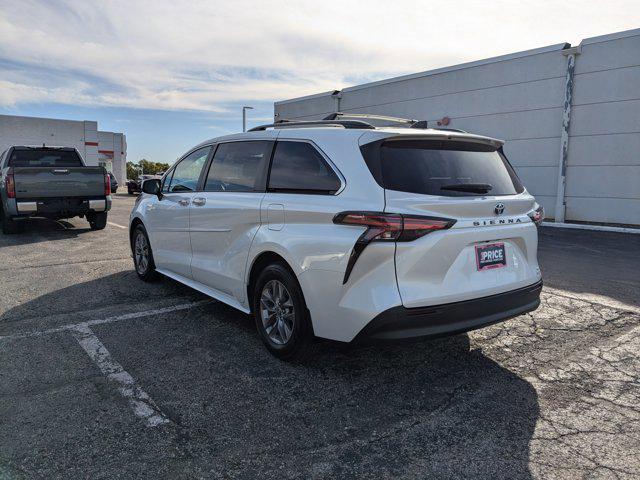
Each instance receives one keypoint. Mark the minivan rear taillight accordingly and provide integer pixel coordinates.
(537, 214)
(107, 184)
(10, 185)
(387, 227)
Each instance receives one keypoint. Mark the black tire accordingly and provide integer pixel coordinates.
(146, 272)
(129, 191)
(297, 344)
(97, 221)
(9, 226)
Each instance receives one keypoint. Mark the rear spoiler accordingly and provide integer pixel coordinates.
(431, 134)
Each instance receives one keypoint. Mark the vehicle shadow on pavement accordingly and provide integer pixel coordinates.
(121, 292)
(36, 230)
(431, 409)
(447, 411)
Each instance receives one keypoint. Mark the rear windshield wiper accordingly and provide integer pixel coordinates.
(468, 187)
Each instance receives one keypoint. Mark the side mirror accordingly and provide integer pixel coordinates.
(152, 187)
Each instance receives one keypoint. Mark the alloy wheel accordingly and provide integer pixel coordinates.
(141, 252)
(277, 312)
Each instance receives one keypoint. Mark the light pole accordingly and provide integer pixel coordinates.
(244, 117)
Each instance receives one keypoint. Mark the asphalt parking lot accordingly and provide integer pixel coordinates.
(103, 376)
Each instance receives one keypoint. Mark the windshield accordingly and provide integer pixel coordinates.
(446, 168)
(44, 157)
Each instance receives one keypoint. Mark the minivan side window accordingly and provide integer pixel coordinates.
(299, 167)
(237, 166)
(185, 175)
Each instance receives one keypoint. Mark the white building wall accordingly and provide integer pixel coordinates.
(15, 130)
(90, 142)
(120, 158)
(519, 98)
(603, 167)
(112, 153)
(94, 146)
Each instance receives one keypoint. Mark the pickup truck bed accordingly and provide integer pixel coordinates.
(51, 182)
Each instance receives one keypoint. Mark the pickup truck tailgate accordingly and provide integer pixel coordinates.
(45, 182)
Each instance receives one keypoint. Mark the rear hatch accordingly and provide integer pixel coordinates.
(491, 247)
(47, 172)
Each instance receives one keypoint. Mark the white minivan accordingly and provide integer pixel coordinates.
(344, 230)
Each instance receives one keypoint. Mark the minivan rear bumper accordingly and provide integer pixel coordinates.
(400, 323)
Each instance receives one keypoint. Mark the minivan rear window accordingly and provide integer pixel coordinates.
(44, 157)
(442, 167)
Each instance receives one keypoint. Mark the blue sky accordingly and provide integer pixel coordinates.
(170, 74)
(158, 135)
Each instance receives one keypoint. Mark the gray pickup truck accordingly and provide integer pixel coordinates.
(51, 182)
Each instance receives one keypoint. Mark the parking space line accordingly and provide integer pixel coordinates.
(116, 225)
(142, 405)
(116, 318)
(64, 264)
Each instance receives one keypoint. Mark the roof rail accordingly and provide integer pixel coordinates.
(420, 124)
(365, 116)
(356, 124)
(449, 129)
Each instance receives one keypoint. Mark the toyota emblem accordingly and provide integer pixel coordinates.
(499, 209)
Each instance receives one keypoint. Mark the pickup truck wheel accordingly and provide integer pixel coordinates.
(9, 226)
(142, 255)
(97, 221)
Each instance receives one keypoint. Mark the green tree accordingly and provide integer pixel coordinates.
(145, 166)
(152, 168)
(133, 170)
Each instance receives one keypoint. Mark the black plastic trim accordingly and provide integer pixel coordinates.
(401, 323)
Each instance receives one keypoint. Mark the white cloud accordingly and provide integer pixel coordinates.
(204, 55)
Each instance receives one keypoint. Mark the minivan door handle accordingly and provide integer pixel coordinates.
(200, 201)
(184, 202)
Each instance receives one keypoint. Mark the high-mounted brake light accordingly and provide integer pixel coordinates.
(387, 227)
(537, 215)
(107, 184)
(10, 185)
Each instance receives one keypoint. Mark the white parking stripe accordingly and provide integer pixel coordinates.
(143, 406)
(117, 318)
(116, 225)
